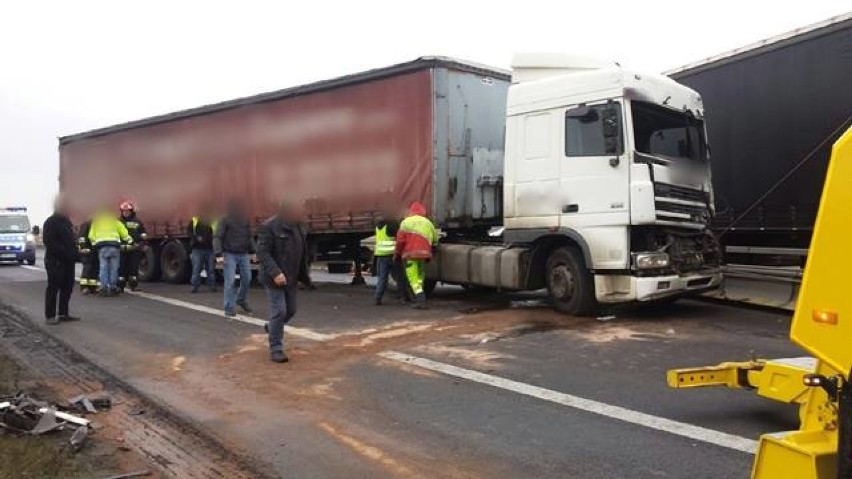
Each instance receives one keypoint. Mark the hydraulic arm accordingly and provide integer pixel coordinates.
(822, 325)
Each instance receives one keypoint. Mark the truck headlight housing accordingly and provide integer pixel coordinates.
(651, 260)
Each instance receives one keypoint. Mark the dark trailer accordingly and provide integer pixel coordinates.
(774, 109)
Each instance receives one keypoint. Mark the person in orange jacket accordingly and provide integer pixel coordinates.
(415, 240)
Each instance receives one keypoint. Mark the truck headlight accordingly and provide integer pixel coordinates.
(651, 260)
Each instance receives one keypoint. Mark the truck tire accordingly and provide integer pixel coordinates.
(149, 265)
(569, 284)
(174, 263)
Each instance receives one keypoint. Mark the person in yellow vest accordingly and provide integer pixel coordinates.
(107, 234)
(387, 265)
(201, 245)
(415, 240)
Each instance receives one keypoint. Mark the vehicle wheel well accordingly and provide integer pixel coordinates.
(542, 247)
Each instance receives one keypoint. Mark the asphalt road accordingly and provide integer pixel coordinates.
(477, 386)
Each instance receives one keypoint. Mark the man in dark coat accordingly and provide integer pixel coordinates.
(283, 258)
(60, 256)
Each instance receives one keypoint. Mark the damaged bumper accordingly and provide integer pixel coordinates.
(623, 288)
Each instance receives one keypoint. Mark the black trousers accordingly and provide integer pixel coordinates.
(129, 265)
(60, 284)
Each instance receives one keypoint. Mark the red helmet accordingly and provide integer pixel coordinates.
(126, 206)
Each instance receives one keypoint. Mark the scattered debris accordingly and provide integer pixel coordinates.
(608, 317)
(23, 414)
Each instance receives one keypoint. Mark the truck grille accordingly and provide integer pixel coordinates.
(679, 204)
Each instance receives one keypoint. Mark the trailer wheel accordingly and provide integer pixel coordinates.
(149, 265)
(174, 262)
(569, 283)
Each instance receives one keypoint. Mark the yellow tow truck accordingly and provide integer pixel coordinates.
(822, 325)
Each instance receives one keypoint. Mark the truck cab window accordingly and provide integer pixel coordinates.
(666, 133)
(594, 130)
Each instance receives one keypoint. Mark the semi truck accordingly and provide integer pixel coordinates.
(774, 108)
(17, 238)
(566, 173)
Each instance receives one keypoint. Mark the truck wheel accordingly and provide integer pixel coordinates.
(31, 261)
(569, 283)
(149, 265)
(174, 262)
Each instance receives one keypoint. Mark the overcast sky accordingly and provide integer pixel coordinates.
(70, 66)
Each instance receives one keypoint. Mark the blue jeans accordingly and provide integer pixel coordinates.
(282, 308)
(109, 262)
(387, 267)
(232, 263)
(206, 260)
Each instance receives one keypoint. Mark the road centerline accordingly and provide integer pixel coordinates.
(690, 431)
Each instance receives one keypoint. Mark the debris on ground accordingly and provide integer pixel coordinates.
(25, 415)
(608, 317)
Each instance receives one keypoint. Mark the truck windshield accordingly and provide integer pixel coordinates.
(14, 224)
(665, 133)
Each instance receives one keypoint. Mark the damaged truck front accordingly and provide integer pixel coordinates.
(607, 192)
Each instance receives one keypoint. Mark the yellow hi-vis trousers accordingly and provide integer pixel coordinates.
(415, 271)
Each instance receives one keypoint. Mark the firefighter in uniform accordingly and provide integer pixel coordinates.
(130, 253)
(89, 283)
(415, 241)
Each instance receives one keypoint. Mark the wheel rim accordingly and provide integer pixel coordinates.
(562, 282)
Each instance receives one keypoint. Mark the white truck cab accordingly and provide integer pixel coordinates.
(606, 190)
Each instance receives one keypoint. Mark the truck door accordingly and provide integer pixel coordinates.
(535, 188)
(593, 171)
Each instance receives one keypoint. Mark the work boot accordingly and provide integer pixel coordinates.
(133, 283)
(230, 314)
(278, 357)
(52, 320)
(194, 290)
(68, 317)
(377, 301)
(419, 301)
(245, 306)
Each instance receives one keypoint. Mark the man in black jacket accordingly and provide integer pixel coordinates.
(59, 259)
(234, 244)
(200, 232)
(284, 262)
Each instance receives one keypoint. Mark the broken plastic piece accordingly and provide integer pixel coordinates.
(67, 417)
(46, 423)
(79, 437)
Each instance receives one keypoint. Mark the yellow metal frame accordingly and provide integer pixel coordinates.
(822, 325)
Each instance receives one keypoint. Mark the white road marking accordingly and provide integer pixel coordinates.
(33, 268)
(299, 332)
(690, 431)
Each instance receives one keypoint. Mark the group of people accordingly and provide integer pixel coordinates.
(110, 246)
(110, 249)
(402, 250)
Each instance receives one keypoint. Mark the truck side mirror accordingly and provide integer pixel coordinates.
(35, 230)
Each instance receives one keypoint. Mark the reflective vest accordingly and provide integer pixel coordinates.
(106, 230)
(195, 221)
(385, 244)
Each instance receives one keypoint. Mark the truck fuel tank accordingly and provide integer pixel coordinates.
(495, 266)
